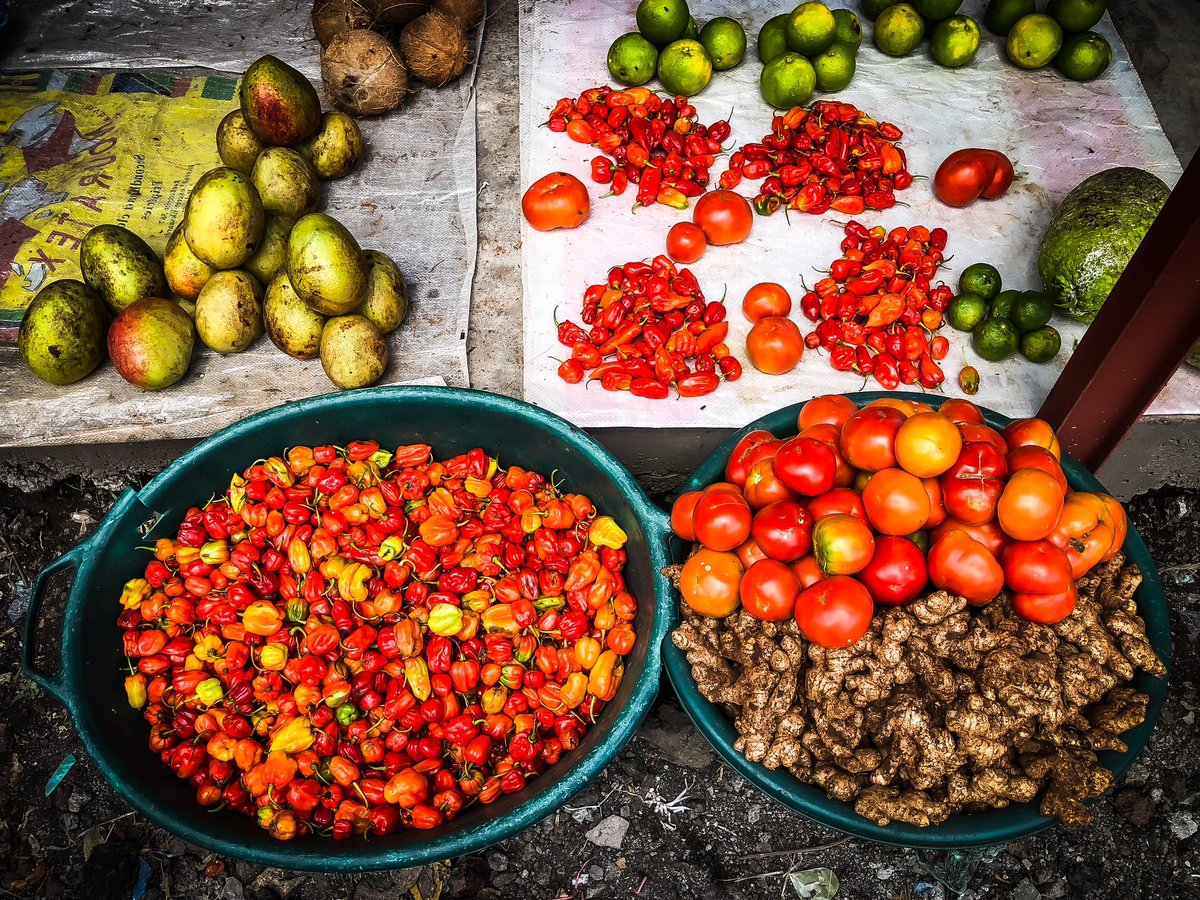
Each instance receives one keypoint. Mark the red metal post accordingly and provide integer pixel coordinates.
(1148, 324)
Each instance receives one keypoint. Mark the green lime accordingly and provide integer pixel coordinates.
(872, 8)
(899, 29)
(1034, 41)
(994, 339)
(684, 67)
(849, 29)
(1084, 56)
(692, 31)
(966, 311)
(725, 41)
(1076, 15)
(662, 21)
(632, 58)
(811, 28)
(1041, 345)
(980, 278)
(1002, 15)
(772, 38)
(936, 10)
(1001, 306)
(955, 41)
(1031, 311)
(835, 67)
(788, 80)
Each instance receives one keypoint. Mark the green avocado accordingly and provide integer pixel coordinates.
(1093, 236)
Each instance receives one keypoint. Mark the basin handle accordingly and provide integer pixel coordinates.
(55, 685)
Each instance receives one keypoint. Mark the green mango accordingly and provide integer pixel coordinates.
(325, 265)
(120, 266)
(61, 338)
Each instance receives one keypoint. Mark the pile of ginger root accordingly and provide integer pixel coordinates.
(941, 708)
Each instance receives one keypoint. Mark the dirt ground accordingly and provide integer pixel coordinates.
(666, 820)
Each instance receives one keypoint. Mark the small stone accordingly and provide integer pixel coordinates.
(504, 879)
(883, 873)
(1026, 890)
(1184, 825)
(596, 873)
(232, 889)
(1134, 806)
(621, 863)
(77, 800)
(609, 833)
(497, 861)
(1056, 889)
(754, 814)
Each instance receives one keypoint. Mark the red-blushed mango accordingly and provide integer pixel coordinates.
(280, 104)
(151, 342)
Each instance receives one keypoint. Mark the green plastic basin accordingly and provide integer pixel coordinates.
(89, 679)
(993, 827)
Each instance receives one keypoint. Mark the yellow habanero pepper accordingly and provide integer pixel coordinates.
(477, 487)
(298, 556)
(607, 533)
(209, 648)
(352, 582)
(574, 690)
(135, 591)
(261, 617)
(333, 567)
(237, 493)
(494, 698)
(498, 619)
(273, 657)
(135, 690)
(295, 735)
(279, 472)
(476, 601)
(391, 547)
(445, 619)
(606, 676)
(209, 691)
(416, 673)
(531, 520)
(587, 651)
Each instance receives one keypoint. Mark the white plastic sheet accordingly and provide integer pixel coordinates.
(1057, 133)
(413, 197)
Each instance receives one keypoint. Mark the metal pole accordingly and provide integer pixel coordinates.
(1143, 332)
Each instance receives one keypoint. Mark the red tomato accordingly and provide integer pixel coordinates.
(843, 544)
(1036, 567)
(754, 446)
(764, 487)
(829, 434)
(750, 553)
(869, 437)
(721, 520)
(937, 509)
(1030, 505)
(557, 200)
(1084, 530)
(774, 345)
(783, 530)
(769, 590)
(726, 217)
(681, 514)
(807, 571)
(961, 565)
(971, 487)
(896, 502)
(709, 582)
(806, 465)
(839, 500)
(828, 409)
(982, 434)
(927, 444)
(834, 612)
(1048, 609)
(686, 242)
(990, 534)
(896, 573)
(1030, 456)
(1037, 432)
(961, 411)
(724, 486)
(966, 175)
(766, 299)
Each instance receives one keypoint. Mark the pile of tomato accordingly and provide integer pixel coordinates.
(874, 505)
(651, 142)
(353, 641)
(650, 328)
(830, 156)
(876, 311)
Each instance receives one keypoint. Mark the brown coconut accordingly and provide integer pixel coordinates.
(363, 73)
(435, 47)
(331, 17)
(397, 13)
(469, 12)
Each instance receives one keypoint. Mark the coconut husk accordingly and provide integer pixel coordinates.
(469, 12)
(331, 17)
(397, 13)
(363, 73)
(435, 47)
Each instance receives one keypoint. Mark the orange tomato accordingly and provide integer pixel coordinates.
(686, 242)
(960, 411)
(681, 514)
(828, 409)
(927, 444)
(905, 406)
(990, 534)
(842, 544)
(937, 509)
(1037, 432)
(774, 345)
(750, 553)
(763, 486)
(1084, 530)
(726, 217)
(1120, 524)
(839, 500)
(961, 565)
(709, 582)
(807, 571)
(972, 433)
(896, 502)
(557, 200)
(1030, 505)
(827, 433)
(1031, 456)
(869, 437)
(766, 299)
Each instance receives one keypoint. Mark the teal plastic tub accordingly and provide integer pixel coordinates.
(994, 827)
(89, 677)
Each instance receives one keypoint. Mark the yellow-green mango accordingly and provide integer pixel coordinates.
(229, 315)
(223, 222)
(326, 265)
(61, 338)
(271, 256)
(237, 144)
(292, 325)
(336, 147)
(120, 266)
(186, 273)
(353, 352)
(285, 182)
(386, 302)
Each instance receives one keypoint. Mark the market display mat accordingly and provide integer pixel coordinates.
(117, 123)
(1057, 133)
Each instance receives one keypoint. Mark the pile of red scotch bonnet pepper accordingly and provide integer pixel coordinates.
(650, 329)
(877, 311)
(878, 505)
(354, 641)
(653, 143)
